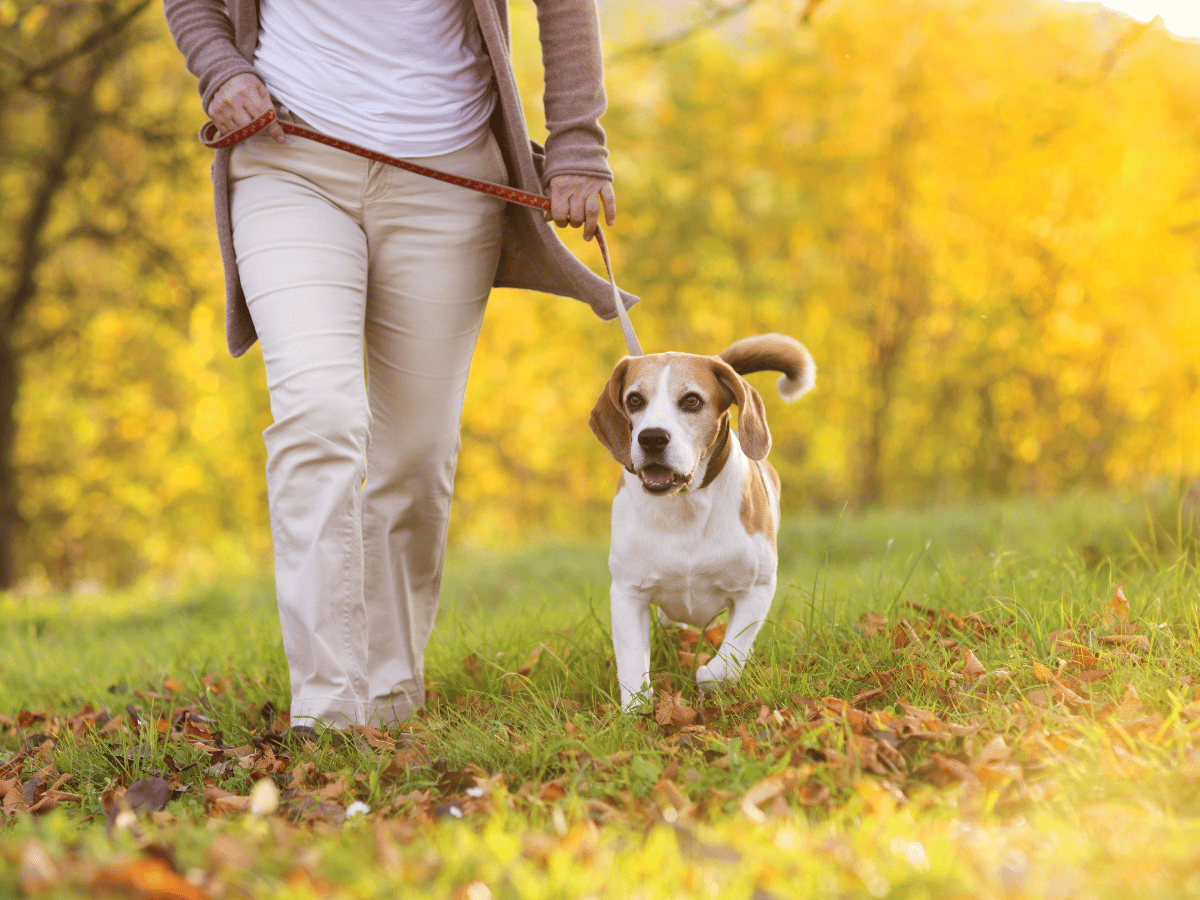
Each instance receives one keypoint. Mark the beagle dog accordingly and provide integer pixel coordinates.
(696, 511)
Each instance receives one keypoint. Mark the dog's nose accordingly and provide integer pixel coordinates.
(654, 440)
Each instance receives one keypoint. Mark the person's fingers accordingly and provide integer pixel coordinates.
(578, 208)
(560, 206)
(609, 198)
(577, 200)
(261, 102)
(241, 100)
(591, 216)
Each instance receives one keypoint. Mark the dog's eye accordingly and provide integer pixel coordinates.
(691, 402)
(635, 401)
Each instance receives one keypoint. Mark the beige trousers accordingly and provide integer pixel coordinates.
(367, 287)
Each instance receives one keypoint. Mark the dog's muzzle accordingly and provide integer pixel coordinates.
(658, 477)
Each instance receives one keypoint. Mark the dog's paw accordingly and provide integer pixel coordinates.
(712, 675)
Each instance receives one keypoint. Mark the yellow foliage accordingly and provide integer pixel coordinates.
(980, 217)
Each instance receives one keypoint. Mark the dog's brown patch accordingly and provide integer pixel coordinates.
(756, 504)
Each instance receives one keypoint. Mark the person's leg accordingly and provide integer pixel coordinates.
(433, 254)
(302, 257)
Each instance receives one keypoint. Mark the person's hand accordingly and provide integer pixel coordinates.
(575, 200)
(241, 100)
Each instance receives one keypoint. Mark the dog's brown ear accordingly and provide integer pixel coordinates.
(753, 433)
(609, 422)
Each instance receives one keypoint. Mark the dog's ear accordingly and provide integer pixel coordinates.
(753, 434)
(609, 422)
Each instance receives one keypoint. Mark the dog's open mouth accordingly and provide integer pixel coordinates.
(660, 479)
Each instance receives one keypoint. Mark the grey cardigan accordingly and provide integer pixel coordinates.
(218, 39)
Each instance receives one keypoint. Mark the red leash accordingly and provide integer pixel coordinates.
(210, 137)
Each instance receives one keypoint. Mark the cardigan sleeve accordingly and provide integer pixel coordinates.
(574, 97)
(203, 32)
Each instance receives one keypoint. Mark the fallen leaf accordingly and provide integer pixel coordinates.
(973, 669)
(767, 789)
(1127, 641)
(472, 666)
(693, 848)
(995, 751)
(1117, 611)
(148, 795)
(221, 802)
(671, 712)
(149, 879)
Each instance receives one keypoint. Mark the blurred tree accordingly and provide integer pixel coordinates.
(981, 217)
(56, 55)
(109, 255)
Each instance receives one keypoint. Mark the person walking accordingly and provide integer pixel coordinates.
(365, 286)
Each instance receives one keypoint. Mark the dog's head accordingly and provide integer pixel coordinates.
(665, 415)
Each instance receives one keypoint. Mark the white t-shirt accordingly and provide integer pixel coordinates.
(402, 77)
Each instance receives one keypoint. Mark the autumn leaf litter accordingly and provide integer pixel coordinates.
(987, 740)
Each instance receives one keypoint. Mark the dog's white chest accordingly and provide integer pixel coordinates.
(692, 566)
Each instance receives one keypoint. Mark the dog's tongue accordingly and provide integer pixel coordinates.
(657, 477)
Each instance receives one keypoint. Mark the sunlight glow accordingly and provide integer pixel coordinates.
(1181, 17)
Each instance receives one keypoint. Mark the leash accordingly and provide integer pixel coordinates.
(210, 137)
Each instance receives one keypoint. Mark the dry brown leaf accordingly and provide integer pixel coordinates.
(907, 728)
(27, 718)
(150, 878)
(49, 798)
(865, 753)
(229, 854)
(994, 751)
(873, 623)
(1190, 769)
(668, 794)
(863, 697)
(859, 721)
(672, 712)
(472, 666)
(956, 769)
(691, 847)
(1116, 613)
(973, 669)
(904, 635)
(890, 756)
(1131, 705)
(1128, 642)
(334, 791)
(768, 789)
(13, 801)
(221, 802)
(527, 669)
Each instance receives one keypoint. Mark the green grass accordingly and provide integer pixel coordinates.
(569, 797)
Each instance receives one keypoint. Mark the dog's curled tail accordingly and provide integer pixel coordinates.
(775, 353)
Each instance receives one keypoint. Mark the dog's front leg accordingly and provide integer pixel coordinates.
(631, 642)
(745, 620)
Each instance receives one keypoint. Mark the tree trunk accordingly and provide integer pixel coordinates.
(75, 116)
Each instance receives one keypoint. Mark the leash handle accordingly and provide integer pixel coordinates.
(210, 137)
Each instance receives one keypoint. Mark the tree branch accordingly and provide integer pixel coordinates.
(87, 44)
(715, 14)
